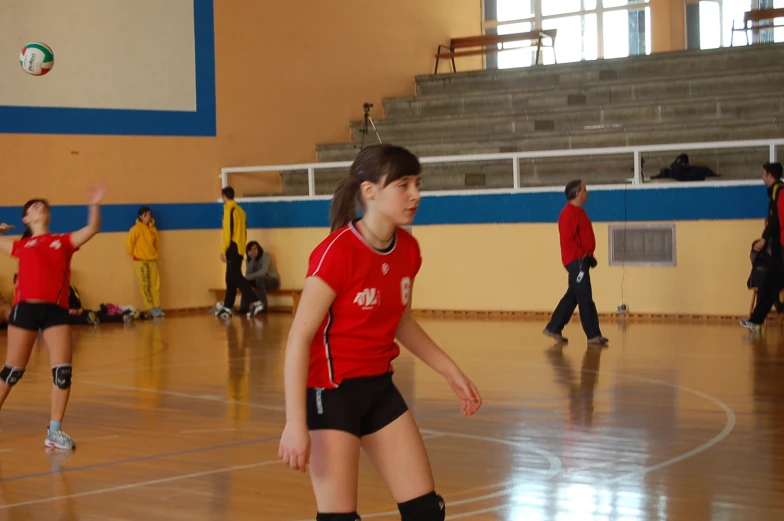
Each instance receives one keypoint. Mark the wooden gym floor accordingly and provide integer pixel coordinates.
(179, 420)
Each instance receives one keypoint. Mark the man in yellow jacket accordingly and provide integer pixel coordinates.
(234, 238)
(142, 245)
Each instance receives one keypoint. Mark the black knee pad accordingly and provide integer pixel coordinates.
(11, 375)
(61, 375)
(353, 516)
(430, 507)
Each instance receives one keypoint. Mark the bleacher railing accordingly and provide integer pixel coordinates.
(515, 157)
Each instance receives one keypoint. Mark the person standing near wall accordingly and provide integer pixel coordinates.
(768, 293)
(142, 245)
(578, 244)
(234, 235)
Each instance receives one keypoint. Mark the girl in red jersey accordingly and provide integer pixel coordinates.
(338, 370)
(41, 303)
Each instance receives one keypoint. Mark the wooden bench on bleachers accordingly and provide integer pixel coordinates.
(486, 44)
(295, 294)
(752, 19)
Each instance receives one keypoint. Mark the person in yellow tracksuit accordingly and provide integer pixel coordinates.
(234, 236)
(142, 245)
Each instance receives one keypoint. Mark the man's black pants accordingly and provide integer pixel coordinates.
(768, 292)
(579, 294)
(235, 280)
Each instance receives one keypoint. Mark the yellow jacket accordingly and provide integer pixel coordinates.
(234, 231)
(142, 243)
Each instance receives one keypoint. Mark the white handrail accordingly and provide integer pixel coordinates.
(635, 151)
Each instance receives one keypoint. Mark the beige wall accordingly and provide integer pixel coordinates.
(315, 64)
(289, 75)
(286, 81)
(516, 267)
(501, 267)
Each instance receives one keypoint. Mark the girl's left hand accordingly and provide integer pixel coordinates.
(466, 391)
(5, 227)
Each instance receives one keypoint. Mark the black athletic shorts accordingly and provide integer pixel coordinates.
(360, 406)
(37, 316)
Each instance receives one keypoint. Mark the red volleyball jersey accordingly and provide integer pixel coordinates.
(357, 337)
(44, 268)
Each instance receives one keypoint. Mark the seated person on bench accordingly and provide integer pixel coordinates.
(260, 272)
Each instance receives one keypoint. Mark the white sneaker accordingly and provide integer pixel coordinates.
(751, 326)
(255, 308)
(59, 440)
(224, 312)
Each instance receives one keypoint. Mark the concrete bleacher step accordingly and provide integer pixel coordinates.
(641, 133)
(668, 98)
(524, 122)
(714, 83)
(597, 169)
(673, 65)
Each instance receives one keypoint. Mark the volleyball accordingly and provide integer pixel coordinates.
(36, 58)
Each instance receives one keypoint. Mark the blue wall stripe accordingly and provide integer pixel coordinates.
(682, 204)
(120, 217)
(63, 120)
(677, 204)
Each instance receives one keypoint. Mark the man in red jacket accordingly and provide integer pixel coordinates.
(577, 247)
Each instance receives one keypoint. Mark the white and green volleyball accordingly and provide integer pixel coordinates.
(36, 58)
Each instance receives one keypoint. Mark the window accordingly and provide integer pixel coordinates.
(515, 58)
(515, 10)
(642, 245)
(587, 29)
(716, 19)
(560, 7)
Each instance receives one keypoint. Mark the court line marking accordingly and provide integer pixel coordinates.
(728, 428)
(142, 484)
(200, 431)
(554, 470)
(143, 458)
(218, 399)
(101, 372)
(552, 459)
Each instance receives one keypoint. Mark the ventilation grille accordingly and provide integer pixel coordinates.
(642, 245)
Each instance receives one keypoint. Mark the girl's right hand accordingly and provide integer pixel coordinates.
(97, 193)
(466, 391)
(294, 449)
(5, 227)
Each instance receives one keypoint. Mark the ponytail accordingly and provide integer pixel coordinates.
(27, 233)
(344, 202)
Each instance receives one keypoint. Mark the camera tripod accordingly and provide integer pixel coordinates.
(363, 129)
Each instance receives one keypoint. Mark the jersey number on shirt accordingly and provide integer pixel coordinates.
(405, 290)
